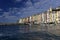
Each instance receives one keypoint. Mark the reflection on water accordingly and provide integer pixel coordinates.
(30, 32)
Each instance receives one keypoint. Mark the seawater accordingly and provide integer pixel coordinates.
(25, 32)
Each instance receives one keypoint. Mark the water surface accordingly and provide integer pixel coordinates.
(25, 32)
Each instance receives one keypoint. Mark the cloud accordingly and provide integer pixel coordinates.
(1, 9)
(6, 17)
(11, 18)
(36, 6)
(28, 3)
(31, 7)
(5, 14)
(1, 16)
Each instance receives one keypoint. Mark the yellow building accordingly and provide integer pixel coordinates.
(32, 18)
(39, 18)
(35, 18)
(26, 20)
(57, 15)
(54, 15)
(51, 15)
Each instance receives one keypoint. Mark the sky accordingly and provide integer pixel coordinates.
(13, 10)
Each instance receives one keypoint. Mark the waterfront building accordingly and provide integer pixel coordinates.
(48, 16)
(42, 15)
(51, 15)
(57, 15)
(50, 12)
(34, 18)
(37, 18)
(26, 20)
(21, 20)
(45, 17)
(30, 19)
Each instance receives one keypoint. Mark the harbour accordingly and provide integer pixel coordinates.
(29, 19)
(30, 32)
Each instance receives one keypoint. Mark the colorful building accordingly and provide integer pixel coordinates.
(21, 20)
(42, 18)
(51, 15)
(56, 11)
(37, 18)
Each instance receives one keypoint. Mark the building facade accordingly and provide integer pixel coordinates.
(51, 15)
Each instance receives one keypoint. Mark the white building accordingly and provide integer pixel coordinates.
(42, 17)
(21, 21)
(53, 16)
(56, 13)
(48, 16)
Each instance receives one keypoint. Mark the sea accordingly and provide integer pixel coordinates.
(25, 32)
